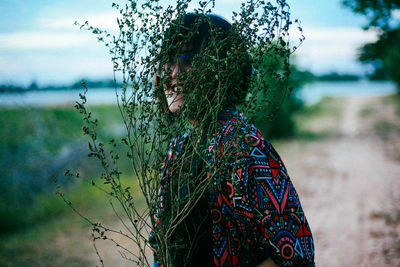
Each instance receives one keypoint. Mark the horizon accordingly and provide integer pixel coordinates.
(110, 82)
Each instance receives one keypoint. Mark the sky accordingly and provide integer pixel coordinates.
(39, 43)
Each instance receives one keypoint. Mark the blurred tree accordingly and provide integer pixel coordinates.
(280, 123)
(33, 86)
(383, 17)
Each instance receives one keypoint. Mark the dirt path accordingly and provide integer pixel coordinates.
(350, 187)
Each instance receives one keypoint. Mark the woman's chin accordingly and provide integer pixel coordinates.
(174, 108)
(175, 104)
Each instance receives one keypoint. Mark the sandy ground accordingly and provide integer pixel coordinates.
(349, 184)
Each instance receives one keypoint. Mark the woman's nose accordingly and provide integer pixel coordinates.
(175, 70)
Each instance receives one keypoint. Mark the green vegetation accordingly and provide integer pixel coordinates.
(45, 245)
(93, 84)
(338, 77)
(55, 228)
(320, 120)
(384, 54)
(396, 100)
(367, 111)
(386, 128)
(281, 124)
(37, 145)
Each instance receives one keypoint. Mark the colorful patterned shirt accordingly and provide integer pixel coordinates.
(255, 211)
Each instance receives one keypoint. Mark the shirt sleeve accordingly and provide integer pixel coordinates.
(283, 230)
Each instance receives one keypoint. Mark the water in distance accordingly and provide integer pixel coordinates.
(311, 93)
(98, 96)
(314, 92)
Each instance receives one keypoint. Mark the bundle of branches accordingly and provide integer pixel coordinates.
(180, 71)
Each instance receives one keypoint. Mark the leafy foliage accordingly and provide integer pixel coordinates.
(378, 12)
(281, 123)
(384, 53)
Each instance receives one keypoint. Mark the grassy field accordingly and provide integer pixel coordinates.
(37, 146)
(59, 236)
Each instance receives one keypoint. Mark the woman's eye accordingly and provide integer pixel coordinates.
(186, 59)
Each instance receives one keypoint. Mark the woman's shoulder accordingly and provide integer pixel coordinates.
(247, 142)
(236, 129)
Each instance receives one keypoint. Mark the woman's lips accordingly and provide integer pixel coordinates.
(176, 87)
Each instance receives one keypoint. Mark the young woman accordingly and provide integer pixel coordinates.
(249, 213)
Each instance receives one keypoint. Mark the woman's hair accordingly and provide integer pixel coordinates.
(194, 29)
(204, 34)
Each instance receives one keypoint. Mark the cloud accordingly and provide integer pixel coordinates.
(42, 40)
(327, 48)
(59, 33)
(106, 21)
(57, 68)
(30, 53)
(347, 35)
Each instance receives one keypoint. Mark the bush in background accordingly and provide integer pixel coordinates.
(280, 123)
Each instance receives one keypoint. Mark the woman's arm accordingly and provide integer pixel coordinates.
(268, 263)
(284, 232)
(256, 205)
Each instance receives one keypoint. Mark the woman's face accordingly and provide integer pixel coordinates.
(173, 84)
